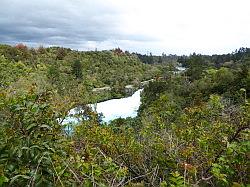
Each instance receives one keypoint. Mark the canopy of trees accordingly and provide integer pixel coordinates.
(192, 128)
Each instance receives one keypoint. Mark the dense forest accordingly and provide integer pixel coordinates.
(192, 127)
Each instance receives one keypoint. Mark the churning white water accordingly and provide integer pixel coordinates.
(119, 108)
(111, 109)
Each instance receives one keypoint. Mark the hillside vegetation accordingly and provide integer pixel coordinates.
(192, 128)
(70, 73)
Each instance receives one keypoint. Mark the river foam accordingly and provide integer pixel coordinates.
(110, 109)
(119, 108)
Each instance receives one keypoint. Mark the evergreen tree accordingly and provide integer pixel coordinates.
(77, 69)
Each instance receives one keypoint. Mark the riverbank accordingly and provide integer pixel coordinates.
(106, 93)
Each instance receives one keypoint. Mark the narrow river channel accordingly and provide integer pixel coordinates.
(111, 109)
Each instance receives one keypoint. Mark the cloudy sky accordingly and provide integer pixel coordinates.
(170, 26)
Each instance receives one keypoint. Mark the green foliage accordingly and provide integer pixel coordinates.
(11, 71)
(196, 65)
(192, 128)
(69, 71)
(35, 151)
(176, 180)
(77, 69)
(31, 139)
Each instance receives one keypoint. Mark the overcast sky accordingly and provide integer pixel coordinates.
(170, 26)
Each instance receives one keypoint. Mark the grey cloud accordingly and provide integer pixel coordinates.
(60, 22)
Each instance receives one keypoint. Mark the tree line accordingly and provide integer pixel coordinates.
(192, 127)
